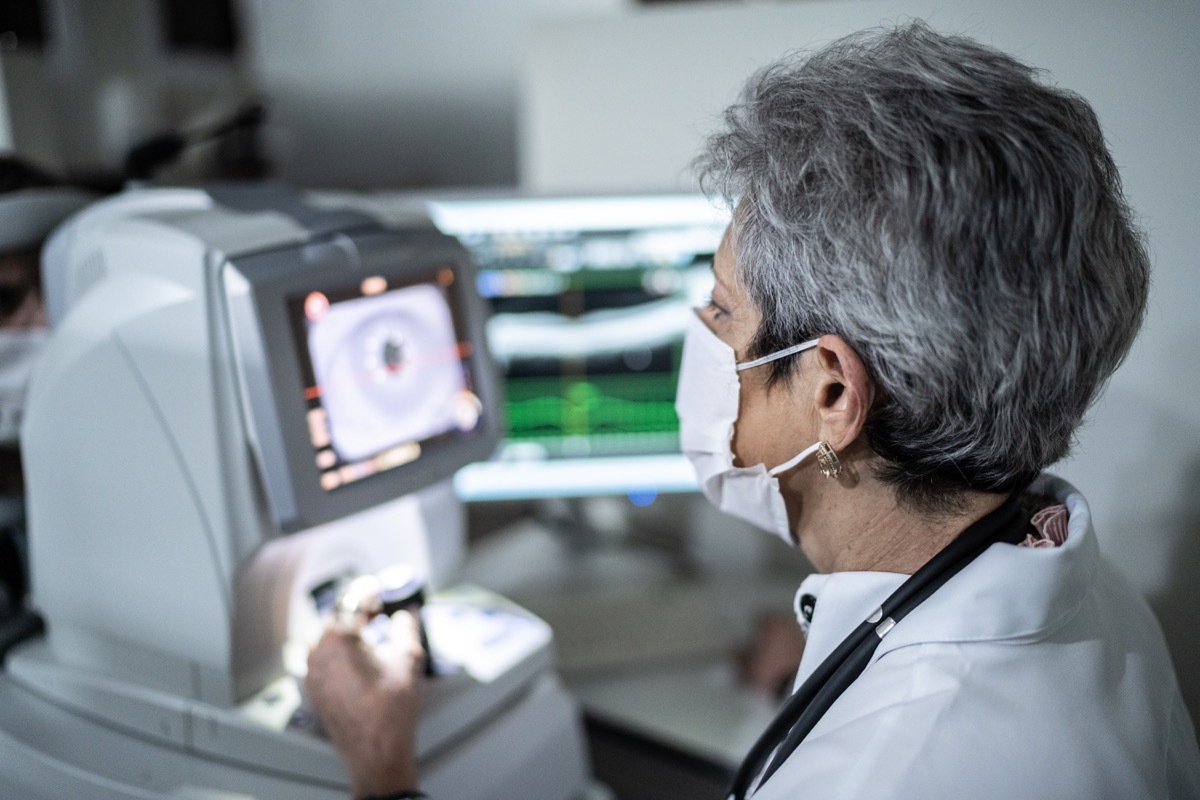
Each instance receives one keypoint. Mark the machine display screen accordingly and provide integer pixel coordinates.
(386, 374)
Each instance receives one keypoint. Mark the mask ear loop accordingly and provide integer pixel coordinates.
(785, 466)
(758, 362)
(787, 351)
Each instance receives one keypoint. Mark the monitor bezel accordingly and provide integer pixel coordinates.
(272, 372)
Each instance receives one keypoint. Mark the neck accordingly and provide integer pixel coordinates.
(854, 523)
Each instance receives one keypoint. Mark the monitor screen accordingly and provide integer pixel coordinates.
(589, 299)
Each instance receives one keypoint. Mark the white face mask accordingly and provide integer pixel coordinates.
(707, 405)
(19, 351)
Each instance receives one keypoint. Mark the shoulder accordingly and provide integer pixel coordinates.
(990, 720)
(1046, 675)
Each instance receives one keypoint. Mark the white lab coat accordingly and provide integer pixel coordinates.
(1033, 673)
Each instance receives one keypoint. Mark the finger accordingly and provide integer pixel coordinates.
(316, 653)
(403, 647)
(334, 645)
(405, 625)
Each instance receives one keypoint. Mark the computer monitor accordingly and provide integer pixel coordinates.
(589, 300)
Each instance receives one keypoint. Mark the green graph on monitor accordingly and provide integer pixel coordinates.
(594, 414)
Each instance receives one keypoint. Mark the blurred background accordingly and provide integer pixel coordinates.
(603, 96)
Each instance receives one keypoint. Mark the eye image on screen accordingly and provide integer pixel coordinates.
(389, 375)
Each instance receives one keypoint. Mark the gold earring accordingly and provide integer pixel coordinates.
(828, 461)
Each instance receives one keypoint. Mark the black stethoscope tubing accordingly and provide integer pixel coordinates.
(808, 704)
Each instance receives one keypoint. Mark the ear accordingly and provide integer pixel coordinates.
(843, 391)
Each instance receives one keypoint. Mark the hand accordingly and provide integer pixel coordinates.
(771, 661)
(368, 701)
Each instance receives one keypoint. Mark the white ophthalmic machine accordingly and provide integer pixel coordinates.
(249, 398)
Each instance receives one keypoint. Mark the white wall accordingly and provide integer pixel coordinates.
(106, 81)
(624, 104)
(380, 93)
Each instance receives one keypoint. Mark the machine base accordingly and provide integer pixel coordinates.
(533, 748)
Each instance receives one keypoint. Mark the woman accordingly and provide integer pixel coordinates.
(930, 273)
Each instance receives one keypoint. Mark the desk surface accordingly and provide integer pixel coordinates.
(641, 646)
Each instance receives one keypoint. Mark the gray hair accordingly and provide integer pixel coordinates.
(959, 223)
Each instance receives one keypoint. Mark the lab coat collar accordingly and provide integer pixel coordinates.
(1007, 593)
